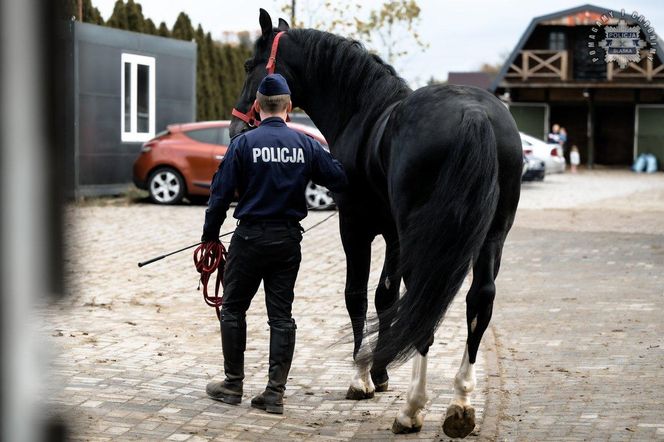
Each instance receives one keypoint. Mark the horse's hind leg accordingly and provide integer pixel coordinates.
(410, 419)
(460, 417)
(387, 293)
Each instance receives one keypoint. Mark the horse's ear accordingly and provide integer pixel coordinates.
(266, 23)
(283, 25)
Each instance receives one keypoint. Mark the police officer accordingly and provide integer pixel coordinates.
(269, 167)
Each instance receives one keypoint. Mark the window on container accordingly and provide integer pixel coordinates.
(138, 98)
(127, 96)
(557, 41)
(143, 98)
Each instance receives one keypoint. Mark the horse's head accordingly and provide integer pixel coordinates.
(255, 68)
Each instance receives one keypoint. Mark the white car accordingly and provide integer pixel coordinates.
(551, 154)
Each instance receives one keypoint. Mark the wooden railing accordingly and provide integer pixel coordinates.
(540, 63)
(643, 70)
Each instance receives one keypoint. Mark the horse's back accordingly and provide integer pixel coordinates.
(426, 126)
(432, 114)
(429, 128)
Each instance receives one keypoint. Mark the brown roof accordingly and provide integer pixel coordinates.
(479, 79)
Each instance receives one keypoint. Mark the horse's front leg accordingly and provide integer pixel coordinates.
(357, 246)
(410, 419)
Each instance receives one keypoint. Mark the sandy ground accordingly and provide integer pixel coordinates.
(594, 201)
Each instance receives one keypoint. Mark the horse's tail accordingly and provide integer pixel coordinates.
(440, 237)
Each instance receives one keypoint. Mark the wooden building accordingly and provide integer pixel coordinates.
(557, 73)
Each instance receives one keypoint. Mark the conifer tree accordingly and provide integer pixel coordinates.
(215, 104)
(118, 18)
(182, 29)
(202, 76)
(91, 14)
(149, 27)
(135, 19)
(69, 10)
(163, 30)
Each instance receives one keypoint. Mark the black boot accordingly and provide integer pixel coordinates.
(282, 345)
(233, 342)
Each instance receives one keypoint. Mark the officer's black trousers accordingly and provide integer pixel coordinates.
(262, 252)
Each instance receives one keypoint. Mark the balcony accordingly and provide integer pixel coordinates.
(542, 68)
(539, 63)
(644, 70)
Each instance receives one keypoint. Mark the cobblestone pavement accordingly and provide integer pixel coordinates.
(578, 316)
(575, 349)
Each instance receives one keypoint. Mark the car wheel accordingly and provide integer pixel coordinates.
(166, 186)
(318, 197)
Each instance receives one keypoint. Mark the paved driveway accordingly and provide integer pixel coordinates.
(575, 349)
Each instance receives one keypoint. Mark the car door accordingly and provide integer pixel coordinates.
(202, 166)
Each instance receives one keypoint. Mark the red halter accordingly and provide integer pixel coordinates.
(251, 116)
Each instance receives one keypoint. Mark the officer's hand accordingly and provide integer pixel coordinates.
(209, 238)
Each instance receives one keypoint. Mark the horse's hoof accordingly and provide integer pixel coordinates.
(381, 387)
(355, 394)
(459, 422)
(397, 428)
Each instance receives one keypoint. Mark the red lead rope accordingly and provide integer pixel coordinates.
(208, 258)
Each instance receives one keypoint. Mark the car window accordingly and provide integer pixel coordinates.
(209, 136)
(301, 118)
(225, 137)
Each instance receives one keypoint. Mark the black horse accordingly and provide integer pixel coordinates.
(436, 172)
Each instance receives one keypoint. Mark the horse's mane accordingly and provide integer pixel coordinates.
(366, 81)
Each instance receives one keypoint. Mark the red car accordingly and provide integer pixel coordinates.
(181, 161)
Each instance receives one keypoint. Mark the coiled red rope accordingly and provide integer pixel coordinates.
(210, 257)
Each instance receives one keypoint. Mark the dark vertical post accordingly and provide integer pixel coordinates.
(591, 130)
(80, 10)
(292, 15)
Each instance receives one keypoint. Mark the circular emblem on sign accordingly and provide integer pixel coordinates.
(622, 43)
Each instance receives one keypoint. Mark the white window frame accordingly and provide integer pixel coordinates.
(131, 134)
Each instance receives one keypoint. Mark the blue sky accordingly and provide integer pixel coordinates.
(462, 34)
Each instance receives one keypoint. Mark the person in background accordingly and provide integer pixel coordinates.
(574, 158)
(554, 135)
(562, 138)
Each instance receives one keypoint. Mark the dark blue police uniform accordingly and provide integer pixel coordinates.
(269, 168)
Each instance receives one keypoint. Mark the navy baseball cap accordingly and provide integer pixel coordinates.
(274, 84)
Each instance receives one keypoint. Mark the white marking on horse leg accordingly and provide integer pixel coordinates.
(464, 382)
(409, 416)
(362, 378)
(358, 380)
(473, 324)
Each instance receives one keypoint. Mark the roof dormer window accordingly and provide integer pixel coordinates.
(557, 41)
